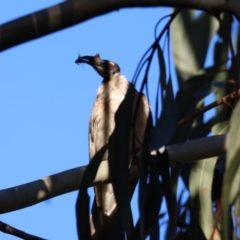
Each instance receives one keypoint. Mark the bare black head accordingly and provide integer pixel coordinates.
(104, 68)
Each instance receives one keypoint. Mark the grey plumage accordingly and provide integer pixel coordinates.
(110, 95)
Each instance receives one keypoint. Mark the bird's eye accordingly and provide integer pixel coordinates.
(110, 65)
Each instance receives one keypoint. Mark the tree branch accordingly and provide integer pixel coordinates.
(69, 13)
(16, 232)
(28, 194)
(199, 111)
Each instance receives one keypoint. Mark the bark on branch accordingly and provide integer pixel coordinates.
(69, 13)
(28, 194)
(18, 233)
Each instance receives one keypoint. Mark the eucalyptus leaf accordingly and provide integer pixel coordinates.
(230, 191)
(152, 203)
(162, 68)
(189, 47)
(220, 54)
(82, 214)
(200, 180)
(167, 122)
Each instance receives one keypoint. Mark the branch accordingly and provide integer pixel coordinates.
(16, 232)
(223, 100)
(69, 13)
(28, 194)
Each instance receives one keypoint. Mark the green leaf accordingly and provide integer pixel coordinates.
(162, 84)
(151, 204)
(197, 87)
(189, 45)
(236, 213)
(162, 68)
(82, 215)
(200, 182)
(220, 58)
(166, 124)
(163, 166)
(232, 172)
(92, 168)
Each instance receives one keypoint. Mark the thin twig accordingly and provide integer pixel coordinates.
(202, 110)
(215, 231)
(16, 232)
(152, 48)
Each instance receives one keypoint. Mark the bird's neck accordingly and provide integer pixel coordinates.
(111, 78)
(116, 84)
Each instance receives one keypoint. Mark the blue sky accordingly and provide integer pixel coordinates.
(46, 100)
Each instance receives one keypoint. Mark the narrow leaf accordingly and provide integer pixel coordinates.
(189, 47)
(166, 124)
(230, 191)
(200, 182)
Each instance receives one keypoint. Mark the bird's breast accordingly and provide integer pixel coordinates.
(102, 121)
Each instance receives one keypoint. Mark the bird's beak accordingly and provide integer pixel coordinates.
(101, 66)
(85, 59)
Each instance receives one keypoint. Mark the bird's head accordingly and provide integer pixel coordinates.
(104, 68)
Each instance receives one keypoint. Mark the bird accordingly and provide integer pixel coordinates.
(110, 96)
